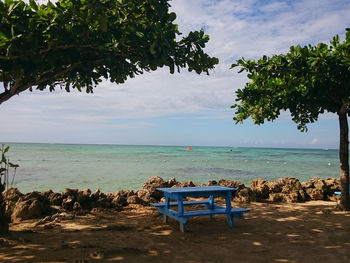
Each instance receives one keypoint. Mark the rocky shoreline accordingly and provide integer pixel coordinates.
(50, 205)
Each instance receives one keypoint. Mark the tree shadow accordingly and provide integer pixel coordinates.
(308, 232)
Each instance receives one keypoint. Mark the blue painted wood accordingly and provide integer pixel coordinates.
(218, 211)
(199, 202)
(211, 191)
(199, 189)
(172, 214)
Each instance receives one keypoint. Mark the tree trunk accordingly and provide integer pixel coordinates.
(344, 158)
(4, 222)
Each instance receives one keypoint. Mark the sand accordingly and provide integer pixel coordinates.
(304, 232)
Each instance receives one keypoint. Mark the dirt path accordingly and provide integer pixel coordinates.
(306, 232)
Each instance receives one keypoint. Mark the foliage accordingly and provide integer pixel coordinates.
(5, 166)
(307, 81)
(77, 43)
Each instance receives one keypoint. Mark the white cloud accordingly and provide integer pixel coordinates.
(314, 141)
(248, 28)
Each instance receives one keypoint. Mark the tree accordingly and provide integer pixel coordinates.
(307, 81)
(77, 43)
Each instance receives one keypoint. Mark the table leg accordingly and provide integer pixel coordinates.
(167, 206)
(183, 227)
(211, 204)
(228, 209)
(180, 206)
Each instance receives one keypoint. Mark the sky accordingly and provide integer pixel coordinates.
(159, 108)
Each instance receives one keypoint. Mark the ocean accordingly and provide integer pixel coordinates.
(115, 167)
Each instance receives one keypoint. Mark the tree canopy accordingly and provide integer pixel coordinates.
(77, 43)
(307, 81)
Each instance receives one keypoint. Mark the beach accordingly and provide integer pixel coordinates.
(81, 226)
(272, 232)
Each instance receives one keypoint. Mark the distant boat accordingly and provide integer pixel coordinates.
(189, 149)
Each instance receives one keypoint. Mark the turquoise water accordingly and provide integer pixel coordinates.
(112, 167)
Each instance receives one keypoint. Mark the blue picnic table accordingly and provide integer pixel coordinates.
(180, 193)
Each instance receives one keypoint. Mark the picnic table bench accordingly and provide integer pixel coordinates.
(179, 193)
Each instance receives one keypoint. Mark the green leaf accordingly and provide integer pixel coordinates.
(12, 165)
(33, 5)
(6, 149)
(139, 34)
(3, 36)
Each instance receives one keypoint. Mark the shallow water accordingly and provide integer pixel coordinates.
(114, 167)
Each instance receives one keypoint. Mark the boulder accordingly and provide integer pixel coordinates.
(260, 188)
(133, 199)
(318, 189)
(315, 194)
(145, 196)
(97, 195)
(11, 195)
(119, 200)
(276, 197)
(291, 188)
(187, 184)
(151, 184)
(77, 206)
(332, 185)
(172, 182)
(68, 203)
(70, 192)
(212, 182)
(244, 195)
(32, 205)
(55, 199)
(83, 197)
(231, 183)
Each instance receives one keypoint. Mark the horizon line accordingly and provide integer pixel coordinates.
(159, 145)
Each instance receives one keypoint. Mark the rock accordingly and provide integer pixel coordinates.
(332, 185)
(97, 195)
(55, 199)
(133, 199)
(275, 186)
(151, 184)
(292, 197)
(83, 197)
(172, 182)
(46, 193)
(276, 197)
(77, 206)
(315, 194)
(292, 189)
(70, 192)
(244, 195)
(187, 184)
(211, 183)
(32, 205)
(260, 188)
(145, 196)
(231, 183)
(119, 200)
(68, 203)
(103, 203)
(318, 189)
(11, 195)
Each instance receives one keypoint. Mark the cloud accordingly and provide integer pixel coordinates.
(248, 28)
(314, 141)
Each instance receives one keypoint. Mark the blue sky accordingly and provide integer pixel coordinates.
(188, 109)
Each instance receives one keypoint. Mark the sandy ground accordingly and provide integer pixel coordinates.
(303, 232)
